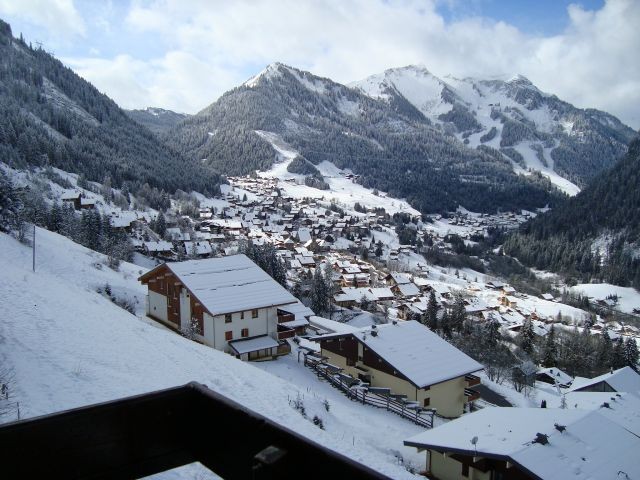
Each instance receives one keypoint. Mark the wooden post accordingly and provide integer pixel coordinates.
(34, 248)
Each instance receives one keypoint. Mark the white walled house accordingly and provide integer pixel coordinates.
(230, 303)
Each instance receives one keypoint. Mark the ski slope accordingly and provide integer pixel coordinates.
(341, 189)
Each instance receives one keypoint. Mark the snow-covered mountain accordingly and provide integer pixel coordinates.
(535, 130)
(393, 149)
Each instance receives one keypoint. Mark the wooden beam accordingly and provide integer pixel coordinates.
(151, 433)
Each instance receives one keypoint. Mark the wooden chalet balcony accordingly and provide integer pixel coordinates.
(285, 317)
(147, 434)
(282, 334)
(472, 380)
(471, 395)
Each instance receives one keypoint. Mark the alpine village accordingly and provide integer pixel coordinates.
(406, 276)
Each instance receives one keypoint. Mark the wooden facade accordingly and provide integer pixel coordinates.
(164, 282)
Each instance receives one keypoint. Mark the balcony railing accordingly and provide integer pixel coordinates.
(148, 434)
(286, 334)
(286, 317)
(472, 380)
(471, 394)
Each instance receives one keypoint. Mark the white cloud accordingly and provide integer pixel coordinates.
(59, 17)
(213, 47)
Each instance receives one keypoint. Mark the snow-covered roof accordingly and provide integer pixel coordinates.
(298, 309)
(621, 408)
(399, 278)
(201, 248)
(417, 353)
(304, 235)
(252, 344)
(120, 222)
(230, 284)
(621, 380)
(591, 446)
(561, 377)
(295, 323)
(408, 289)
(331, 325)
(159, 246)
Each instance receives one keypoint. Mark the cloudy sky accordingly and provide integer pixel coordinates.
(182, 54)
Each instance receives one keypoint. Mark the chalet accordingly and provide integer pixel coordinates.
(177, 235)
(198, 249)
(122, 222)
(621, 380)
(408, 289)
(232, 303)
(410, 360)
(532, 443)
(72, 198)
(87, 203)
(160, 248)
(395, 278)
(509, 301)
(554, 376)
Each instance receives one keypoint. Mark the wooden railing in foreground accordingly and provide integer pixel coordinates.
(378, 397)
(151, 433)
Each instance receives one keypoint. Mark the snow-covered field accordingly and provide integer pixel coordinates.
(628, 298)
(70, 346)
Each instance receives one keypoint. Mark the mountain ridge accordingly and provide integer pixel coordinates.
(532, 128)
(395, 152)
(156, 119)
(51, 116)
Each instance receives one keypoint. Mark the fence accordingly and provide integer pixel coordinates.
(378, 397)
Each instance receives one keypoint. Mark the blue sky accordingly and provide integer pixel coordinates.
(183, 54)
(545, 17)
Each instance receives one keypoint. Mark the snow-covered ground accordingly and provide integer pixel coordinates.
(70, 346)
(341, 189)
(628, 298)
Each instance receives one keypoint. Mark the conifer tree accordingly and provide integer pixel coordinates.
(549, 351)
(631, 353)
(526, 337)
(431, 314)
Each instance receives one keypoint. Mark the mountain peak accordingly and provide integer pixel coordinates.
(520, 80)
(270, 71)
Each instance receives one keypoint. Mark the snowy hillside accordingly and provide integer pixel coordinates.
(342, 190)
(69, 345)
(533, 129)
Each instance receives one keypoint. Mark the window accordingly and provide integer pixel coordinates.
(227, 318)
(427, 402)
(465, 470)
(245, 332)
(228, 335)
(242, 315)
(254, 313)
